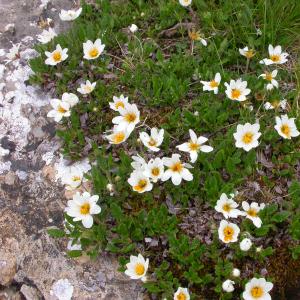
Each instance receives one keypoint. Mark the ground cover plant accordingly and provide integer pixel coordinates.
(183, 116)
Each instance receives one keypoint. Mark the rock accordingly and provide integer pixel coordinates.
(8, 267)
(30, 293)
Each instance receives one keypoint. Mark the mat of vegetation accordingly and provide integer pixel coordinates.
(189, 121)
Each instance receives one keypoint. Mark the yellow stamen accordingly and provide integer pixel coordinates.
(155, 171)
(61, 109)
(213, 84)
(286, 130)
(141, 185)
(194, 146)
(235, 93)
(194, 35)
(119, 104)
(252, 212)
(257, 292)
(56, 56)
(275, 58)
(177, 167)
(228, 233)
(248, 137)
(250, 53)
(139, 269)
(152, 142)
(181, 296)
(119, 137)
(130, 117)
(269, 76)
(85, 209)
(93, 52)
(226, 207)
(76, 178)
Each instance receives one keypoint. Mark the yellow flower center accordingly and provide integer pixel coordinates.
(61, 109)
(85, 209)
(269, 76)
(286, 130)
(88, 89)
(139, 269)
(181, 296)
(257, 292)
(228, 233)
(250, 53)
(213, 84)
(194, 35)
(76, 178)
(248, 137)
(130, 117)
(56, 56)
(252, 212)
(275, 58)
(119, 104)
(194, 146)
(152, 142)
(226, 207)
(119, 137)
(93, 52)
(155, 171)
(235, 93)
(141, 185)
(177, 167)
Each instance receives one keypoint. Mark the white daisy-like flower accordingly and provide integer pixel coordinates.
(60, 109)
(137, 267)
(269, 76)
(228, 232)
(251, 212)
(93, 50)
(118, 103)
(82, 207)
(139, 163)
(117, 136)
(282, 105)
(140, 182)
(46, 36)
(249, 53)
(133, 28)
(185, 3)
(237, 90)
(245, 244)
(276, 56)
(228, 286)
(71, 246)
(154, 169)
(176, 170)
(246, 136)
(57, 56)
(228, 207)
(286, 127)
(69, 98)
(257, 289)
(62, 289)
(70, 15)
(195, 145)
(129, 117)
(212, 85)
(86, 88)
(182, 294)
(73, 178)
(153, 141)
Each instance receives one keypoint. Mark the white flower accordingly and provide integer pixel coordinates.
(228, 232)
(246, 136)
(82, 207)
(13, 52)
(73, 178)
(154, 169)
(69, 98)
(133, 28)
(276, 56)
(46, 36)
(197, 36)
(86, 88)
(182, 294)
(286, 127)
(71, 246)
(153, 141)
(118, 103)
(137, 267)
(258, 32)
(245, 244)
(118, 136)
(227, 206)
(60, 109)
(57, 56)
(212, 85)
(251, 212)
(249, 53)
(228, 286)
(270, 77)
(129, 117)
(281, 105)
(62, 289)
(138, 164)
(195, 145)
(257, 289)
(70, 15)
(139, 182)
(176, 170)
(236, 272)
(92, 50)
(185, 2)
(237, 90)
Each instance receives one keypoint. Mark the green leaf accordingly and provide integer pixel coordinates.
(57, 233)
(74, 253)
